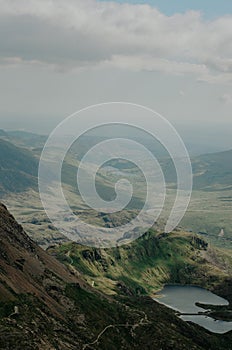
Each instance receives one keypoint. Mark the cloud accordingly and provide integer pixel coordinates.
(151, 63)
(226, 98)
(78, 34)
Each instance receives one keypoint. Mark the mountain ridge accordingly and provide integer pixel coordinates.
(146, 264)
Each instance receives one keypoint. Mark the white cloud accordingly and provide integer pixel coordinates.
(226, 98)
(153, 63)
(136, 37)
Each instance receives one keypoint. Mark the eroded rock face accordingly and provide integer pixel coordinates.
(12, 232)
(24, 267)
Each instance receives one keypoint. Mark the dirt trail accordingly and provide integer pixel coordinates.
(143, 321)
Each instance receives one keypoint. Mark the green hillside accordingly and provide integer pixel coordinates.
(23, 138)
(18, 168)
(210, 171)
(143, 266)
(213, 170)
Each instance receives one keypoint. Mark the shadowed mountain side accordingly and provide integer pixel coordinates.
(210, 171)
(213, 170)
(18, 168)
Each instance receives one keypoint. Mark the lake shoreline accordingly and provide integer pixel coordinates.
(196, 304)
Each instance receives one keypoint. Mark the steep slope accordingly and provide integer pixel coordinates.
(25, 268)
(44, 306)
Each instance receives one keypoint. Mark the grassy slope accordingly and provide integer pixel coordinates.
(146, 264)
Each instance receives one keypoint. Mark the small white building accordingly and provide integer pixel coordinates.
(221, 233)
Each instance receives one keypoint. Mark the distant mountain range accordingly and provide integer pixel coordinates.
(23, 138)
(18, 168)
(213, 170)
(19, 154)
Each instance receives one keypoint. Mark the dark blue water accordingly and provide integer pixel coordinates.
(184, 299)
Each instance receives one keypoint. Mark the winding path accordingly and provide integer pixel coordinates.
(143, 321)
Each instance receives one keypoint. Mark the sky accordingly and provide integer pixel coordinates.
(209, 8)
(58, 56)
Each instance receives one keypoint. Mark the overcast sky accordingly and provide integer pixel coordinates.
(59, 56)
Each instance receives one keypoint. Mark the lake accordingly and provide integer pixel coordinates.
(184, 299)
